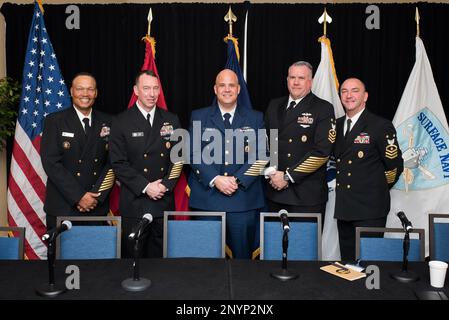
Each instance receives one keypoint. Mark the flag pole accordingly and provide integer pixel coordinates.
(230, 18)
(417, 21)
(325, 23)
(149, 19)
(148, 37)
(325, 19)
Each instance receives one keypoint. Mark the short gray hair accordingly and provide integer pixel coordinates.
(303, 63)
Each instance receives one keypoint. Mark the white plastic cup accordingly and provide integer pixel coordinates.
(437, 273)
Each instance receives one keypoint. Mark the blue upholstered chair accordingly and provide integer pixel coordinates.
(304, 236)
(370, 246)
(439, 236)
(203, 236)
(90, 241)
(11, 248)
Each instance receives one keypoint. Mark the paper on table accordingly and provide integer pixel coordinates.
(341, 271)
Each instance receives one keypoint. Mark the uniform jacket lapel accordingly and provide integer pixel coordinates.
(359, 127)
(94, 131)
(154, 131)
(302, 106)
(74, 123)
(345, 144)
(216, 119)
(239, 117)
(140, 123)
(281, 113)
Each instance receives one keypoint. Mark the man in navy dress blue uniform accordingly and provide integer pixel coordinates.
(140, 155)
(226, 174)
(369, 163)
(75, 156)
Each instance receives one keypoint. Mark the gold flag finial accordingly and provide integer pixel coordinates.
(417, 21)
(149, 18)
(325, 19)
(230, 18)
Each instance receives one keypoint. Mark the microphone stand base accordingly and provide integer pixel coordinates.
(405, 276)
(50, 290)
(136, 285)
(284, 275)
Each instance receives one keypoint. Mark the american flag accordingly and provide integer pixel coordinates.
(43, 92)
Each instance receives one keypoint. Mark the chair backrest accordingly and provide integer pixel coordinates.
(375, 247)
(439, 236)
(11, 248)
(202, 236)
(91, 240)
(304, 236)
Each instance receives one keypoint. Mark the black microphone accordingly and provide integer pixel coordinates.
(65, 225)
(138, 229)
(283, 214)
(406, 224)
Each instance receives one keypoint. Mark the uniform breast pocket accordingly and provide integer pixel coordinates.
(67, 143)
(362, 151)
(135, 143)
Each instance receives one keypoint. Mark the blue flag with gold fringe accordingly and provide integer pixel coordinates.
(232, 63)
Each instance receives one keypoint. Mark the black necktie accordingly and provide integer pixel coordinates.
(348, 127)
(86, 126)
(291, 106)
(149, 119)
(227, 123)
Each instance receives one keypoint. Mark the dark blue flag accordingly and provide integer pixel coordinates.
(233, 64)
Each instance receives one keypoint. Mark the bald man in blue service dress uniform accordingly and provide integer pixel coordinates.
(75, 156)
(306, 134)
(140, 155)
(369, 162)
(228, 184)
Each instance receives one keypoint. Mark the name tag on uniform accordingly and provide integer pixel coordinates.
(137, 134)
(68, 134)
(362, 138)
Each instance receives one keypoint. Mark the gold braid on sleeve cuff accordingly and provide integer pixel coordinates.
(391, 175)
(108, 181)
(176, 170)
(256, 168)
(311, 164)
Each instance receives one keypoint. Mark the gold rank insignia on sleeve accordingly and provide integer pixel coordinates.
(391, 151)
(391, 175)
(256, 168)
(332, 134)
(108, 181)
(311, 164)
(176, 170)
